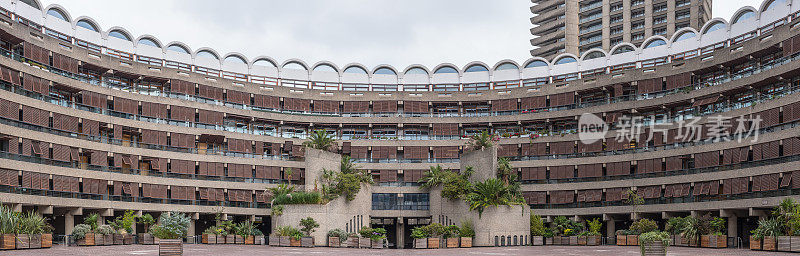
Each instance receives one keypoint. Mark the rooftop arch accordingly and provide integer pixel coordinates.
(654, 41)
(623, 48)
(294, 64)
(593, 54)
(235, 57)
(87, 23)
(446, 68)
(743, 14)
(355, 68)
(149, 40)
(206, 52)
(683, 34)
(769, 4)
(325, 66)
(58, 12)
(713, 25)
(476, 66)
(564, 58)
(416, 70)
(119, 33)
(506, 65)
(32, 3)
(537, 62)
(385, 70)
(178, 47)
(264, 61)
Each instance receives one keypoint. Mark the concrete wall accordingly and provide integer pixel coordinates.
(484, 162)
(317, 161)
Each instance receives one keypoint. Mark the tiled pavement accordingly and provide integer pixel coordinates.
(253, 250)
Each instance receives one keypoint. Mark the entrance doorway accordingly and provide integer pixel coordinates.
(409, 224)
(390, 225)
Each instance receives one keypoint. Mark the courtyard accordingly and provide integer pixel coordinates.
(208, 250)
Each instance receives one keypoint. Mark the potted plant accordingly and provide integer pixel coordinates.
(352, 240)
(123, 225)
(788, 214)
(308, 226)
(378, 238)
(420, 236)
(9, 222)
(592, 236)
(767, 232)
(451, 236)
(82, 233)
(248, 231)
(675, 227)
(337, 237)
(548, 236)
(147, 221)
(228, 232)
(715, 238)
(289, 236)
(435, 230)
(537, 230)
(622, 236)
(654, 243)
(209, 235)
(466, 233)
(31, 226)
(572, 235)
(365, 237)
(108, 234)
(694, 229)
(170, 231)
(640, 226)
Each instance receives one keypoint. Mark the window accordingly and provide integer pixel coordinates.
(616, 19)
(506, 85)
(384, 87)
(150, 42)
(385, 71)
(393, 201)
(177, 48)
(87, 25)
(415, 87)
(637, 36)
(57, 13)
(445, 70)
(616, 30)
(324, 86)
(660, 31)
(207, 54)
(637, 25)
(476, 87)
(507, 66)
(477, 68)
(445, 87)
(119, 34)
(416, 71)
(355, 70)
(565, 60)
(659, 20)
(536, 63)
(355, 87)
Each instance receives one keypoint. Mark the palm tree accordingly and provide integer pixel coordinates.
(288, 174)
(433, 177)
(504, 170)
(347, 165)
(491, 192)
(320, 139)
(481, 141)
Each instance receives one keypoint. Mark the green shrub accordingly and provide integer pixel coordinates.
(717, 226)
(290, 232)
(308, 224)
(466, 229)
(642, 226)
(451, 231)
(79, 231)
(172, 225)
(147, 220)
(594, 228)
(298, 198)
(91, 220)
(767, 227)
(652, 236)
(537, 225)
(9, 220)
(676, 225)
(419, 233)
(246, 228)
(33, 224)
(341, 234)
(105, 230)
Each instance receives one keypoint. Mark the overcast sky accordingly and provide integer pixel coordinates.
(371, 32)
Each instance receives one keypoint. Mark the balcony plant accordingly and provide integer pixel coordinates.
(715, 237)
(454, 186)
(170, 231)
(346, 182)
(654, 243)
(537, 229)
(482, 141)
(9, 224)
(308, 226)
(337, 237)
(147, 221)
(493, 192)
(466, 233)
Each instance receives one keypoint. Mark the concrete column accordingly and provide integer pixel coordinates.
(733, 226)
(611, 228)
(399, 234)
(69, 222)
(191, 227)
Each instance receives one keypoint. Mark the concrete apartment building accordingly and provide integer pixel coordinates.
(576, 26)
(95, 119)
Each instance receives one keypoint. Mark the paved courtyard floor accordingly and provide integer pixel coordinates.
(253, 250)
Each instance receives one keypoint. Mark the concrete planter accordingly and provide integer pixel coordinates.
(537, 240)
(285, 241)
(23, 241)
(622, 240)
(593, 240)
(713, 241)
(238, 239)
(259, 240)
(170, 247)
(295, 243)
(364, 242)
(433, 242)
(7, 242)
(108, 239)
(47, 240)
(352, 242)
(118, 239)
(755, 244)
(770, 243)
(795, 244)
(452, 242)
(582, 240)
(36, 241)
(250, 240)
(632, 240)
(274, 240)
(654, 249)
(146, 238)
(307, 242)
(420, 243)
(784, 243)
(208, 239)
(573, 240)
(334, 241)
(466, 242)
(548, 241)
(88, 240)
(557, 240)
(377, 244)
(230, 239)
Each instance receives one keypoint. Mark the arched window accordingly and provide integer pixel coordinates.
(207, 54)
(774, 4)
(507, 66)
(385, 71)
(536, 63)
(150, 42)
(119, 34)
(685, 35)
(476, 68)
(445, 70)
(565, 60)
(57, 13)
(264, 63)
(717, 25)
(655, 43)
(87, 25)
(32, 4)
(235, 59)
(325, 67)
(355, 70)
(743, 16)
(594, 55)
(416, 71)
(294, 65)
(177, 48)
(623, 49)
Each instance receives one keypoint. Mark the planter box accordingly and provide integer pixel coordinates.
(88, 240)
(250, 240)
(352, 242)
(274, 240)
(295, 243)
(364, 242)
(333, 241)
(307, 242)
(452, 242)
(238, 239)
(7, 242)
(108, 239)
(593, 240)
(573, 240)
(170, 247)
(795, 244)
(98, 239)
(420, 243)
(632, 240)
(47, 240)
(755, 244)
(146, 238)
(258, 240)
(537, 240)
(433, 243)
(548, 241)
(557, 240)
(582, 240)
(770, 243)
(118, 239)
(23, 241)
(654, 249)
(711, 241)
(784, 243)
(378, 244)
(622, 240)
(209, 239)
(156, 240)
(466, 242)
(285, 241)
(36, 241)
(230, 239)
